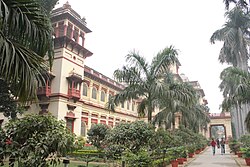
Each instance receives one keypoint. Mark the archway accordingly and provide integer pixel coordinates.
(222, 121)
(217, 131)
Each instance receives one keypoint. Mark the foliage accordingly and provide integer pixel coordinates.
(160, 140)
(161, 163)
(175, 152)
(141, 158)
(22, 62)
(245, 140)
(236, 89)
(48, 5)
(169, 107)
(91, 153)
(2, 145)
(114, 151)
(96, 135)
(79, 143)
(234, 145)
(148, 81)
(247, 152)
(191, 148)
(8, 104)
(132, 136)
(241, 3)
(34, 139)
(186, 135)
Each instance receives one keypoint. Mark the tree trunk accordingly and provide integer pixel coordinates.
(150, 110)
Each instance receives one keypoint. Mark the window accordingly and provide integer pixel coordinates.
(94, 93)
(128, 104)
(83, 129)
(103, 96)
(133, 106)
(85, 89)
(122, 105)
(70, 124)
(110, 96)
(73, 85)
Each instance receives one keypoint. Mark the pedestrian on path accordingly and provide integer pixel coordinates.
(213, 144)
(218, 142)
(222, 144)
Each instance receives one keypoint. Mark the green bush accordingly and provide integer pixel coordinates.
(247, 152)
(190, 148)
(97, 155)
(159, 162)
(234, 145)
(245, 140)
(140, 159)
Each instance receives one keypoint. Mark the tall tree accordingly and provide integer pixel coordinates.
(235, 37)
(236, 89)
(147, 81)
(25, 40)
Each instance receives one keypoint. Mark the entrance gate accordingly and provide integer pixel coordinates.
(220, 119)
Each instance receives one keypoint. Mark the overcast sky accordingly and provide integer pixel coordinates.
(119, 26)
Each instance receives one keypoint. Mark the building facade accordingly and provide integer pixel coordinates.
(74, 92)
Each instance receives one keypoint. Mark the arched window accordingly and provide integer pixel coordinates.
(102, 96)
(85, 89)
(122, 105)
(133, 106)
(83, 129)
(94, 93)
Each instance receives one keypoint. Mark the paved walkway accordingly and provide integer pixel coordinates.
(207, 159)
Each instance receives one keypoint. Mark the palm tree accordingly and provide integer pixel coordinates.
(236, 89)
(241, 3)
(198, 118)
(147, 82)
(169, 107)
(234, 35)
(25, 40)
(235, 38)
(194, 116)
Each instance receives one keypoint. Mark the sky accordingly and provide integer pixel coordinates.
(148, 26)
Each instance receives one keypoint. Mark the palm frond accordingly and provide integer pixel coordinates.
(25, 39)
(163, 60)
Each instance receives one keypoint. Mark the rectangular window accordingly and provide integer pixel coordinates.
(70, 124)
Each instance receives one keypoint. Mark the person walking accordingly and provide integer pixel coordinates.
(218, 143)
(213, 144)
(222, 144)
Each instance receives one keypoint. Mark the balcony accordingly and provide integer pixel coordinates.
(74, 93)
(44, 91)
(75, 77)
